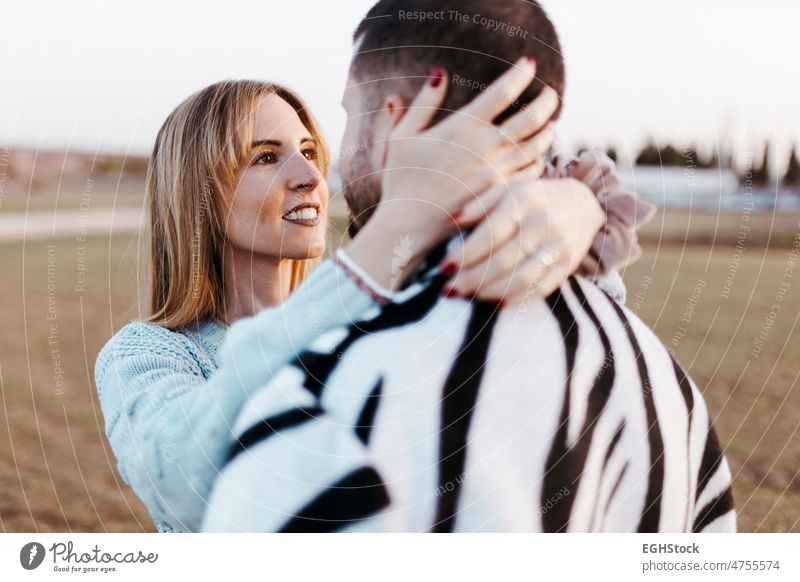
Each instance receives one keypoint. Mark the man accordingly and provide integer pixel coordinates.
(440, 414)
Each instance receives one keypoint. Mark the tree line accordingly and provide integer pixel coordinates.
(759, 174)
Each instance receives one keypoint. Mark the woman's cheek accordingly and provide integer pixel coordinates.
(257, 205)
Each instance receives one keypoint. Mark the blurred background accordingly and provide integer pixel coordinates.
(697, 103)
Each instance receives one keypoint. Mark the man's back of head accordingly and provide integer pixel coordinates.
(399, 42)
(475, 41)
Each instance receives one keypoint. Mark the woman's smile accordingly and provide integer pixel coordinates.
(304, 214)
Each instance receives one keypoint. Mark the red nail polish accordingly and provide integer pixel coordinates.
(531, 60)
(450, 293)
(458, 214)
(436, 76)
(449, 270)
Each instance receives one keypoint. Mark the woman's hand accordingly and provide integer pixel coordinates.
(531, 234)
(431, 174)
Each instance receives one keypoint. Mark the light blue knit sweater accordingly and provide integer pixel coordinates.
(170, 398)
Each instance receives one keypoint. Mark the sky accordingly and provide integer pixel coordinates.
(102, 76)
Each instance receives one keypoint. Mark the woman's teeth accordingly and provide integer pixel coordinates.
(305, 213)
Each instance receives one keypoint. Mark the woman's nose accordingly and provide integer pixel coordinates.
(305, 176)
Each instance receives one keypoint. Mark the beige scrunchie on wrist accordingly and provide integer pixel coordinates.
(616, 244)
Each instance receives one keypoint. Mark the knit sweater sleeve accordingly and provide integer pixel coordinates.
(169, 428)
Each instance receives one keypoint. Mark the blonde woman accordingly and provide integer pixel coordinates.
(238, 208)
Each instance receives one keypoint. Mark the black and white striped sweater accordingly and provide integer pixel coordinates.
(435, 414)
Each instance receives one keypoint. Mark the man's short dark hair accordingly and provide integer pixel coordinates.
(474, 40)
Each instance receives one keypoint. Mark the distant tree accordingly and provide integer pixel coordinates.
(691, 158)
(671, 157)
(761, 174)
(792, 175)
(649, 156)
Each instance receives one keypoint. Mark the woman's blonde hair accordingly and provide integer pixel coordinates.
(190, 178)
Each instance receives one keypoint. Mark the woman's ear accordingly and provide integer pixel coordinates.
(393, 109)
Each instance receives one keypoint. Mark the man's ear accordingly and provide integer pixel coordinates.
(393, 109)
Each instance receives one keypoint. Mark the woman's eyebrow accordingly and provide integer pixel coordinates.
(264, 142)
(275, 142)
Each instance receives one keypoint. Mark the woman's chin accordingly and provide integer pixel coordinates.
(312, 251)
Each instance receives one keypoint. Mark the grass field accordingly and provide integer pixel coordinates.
(754, 396)
(57, 471)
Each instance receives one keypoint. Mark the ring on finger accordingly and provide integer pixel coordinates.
(546, 256)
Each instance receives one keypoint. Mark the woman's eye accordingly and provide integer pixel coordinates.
(266, 158)
(310, 153)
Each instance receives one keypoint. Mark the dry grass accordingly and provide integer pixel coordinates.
(19, 197)
(57, 471)
(754, 397)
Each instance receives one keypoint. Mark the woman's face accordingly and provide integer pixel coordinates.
(279, 207)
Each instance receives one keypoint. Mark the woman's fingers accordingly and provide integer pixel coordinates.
(534, 278)
(530, 151)
(498, 267)
(528, 174)
(536, 170)
(425, 105)
(499, 232)
(502, 92)
(500, 225)
(480, 206)
(532, 118)
(489, 183)
(539, 282)
(551, 278)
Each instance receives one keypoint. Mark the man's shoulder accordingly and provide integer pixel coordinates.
(580, 314)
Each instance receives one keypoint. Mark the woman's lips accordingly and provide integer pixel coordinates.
(308, 216)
